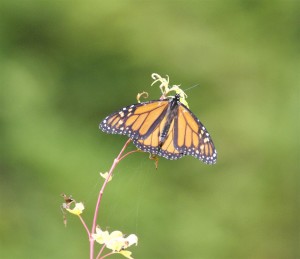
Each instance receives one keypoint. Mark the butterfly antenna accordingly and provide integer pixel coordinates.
(191, 87)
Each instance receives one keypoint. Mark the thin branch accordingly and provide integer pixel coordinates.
(128, 153)
(100, 252)
(107, 255)
(116, 161)
(85, 226)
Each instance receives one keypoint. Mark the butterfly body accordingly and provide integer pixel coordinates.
(165, 128)
(170, 115)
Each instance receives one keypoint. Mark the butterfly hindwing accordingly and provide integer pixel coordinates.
(151, 143)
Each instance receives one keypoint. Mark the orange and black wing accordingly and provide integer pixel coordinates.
(191, 137)
(137, 121)
(151, 143)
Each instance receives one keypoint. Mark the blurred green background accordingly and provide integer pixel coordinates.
(65, 65)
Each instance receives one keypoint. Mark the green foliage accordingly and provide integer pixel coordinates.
(66, 65)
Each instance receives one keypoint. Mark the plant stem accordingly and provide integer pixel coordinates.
(85, 226)
(100, 252)
(107, 255)
(116, 161)
(128, 153)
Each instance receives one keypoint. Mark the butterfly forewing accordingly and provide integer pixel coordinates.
(136, 121)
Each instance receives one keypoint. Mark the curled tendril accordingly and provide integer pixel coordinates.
(143, 94)
(164, 83)
(165, 89)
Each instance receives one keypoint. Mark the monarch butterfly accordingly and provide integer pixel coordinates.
(165, 128)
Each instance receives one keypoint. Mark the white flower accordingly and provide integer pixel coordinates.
(105, 175)
(100, 236)
(77, 210)
(116, 241)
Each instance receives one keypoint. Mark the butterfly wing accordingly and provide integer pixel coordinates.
(151, 143)
(137, 121)
(192, 138)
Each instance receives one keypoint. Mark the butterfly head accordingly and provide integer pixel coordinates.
(180, 94)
